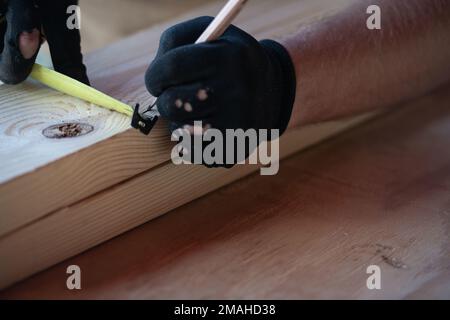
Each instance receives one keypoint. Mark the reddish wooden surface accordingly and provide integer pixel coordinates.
(379, 194)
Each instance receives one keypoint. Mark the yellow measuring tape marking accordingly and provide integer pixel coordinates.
(72, 87)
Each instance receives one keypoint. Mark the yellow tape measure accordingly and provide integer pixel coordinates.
(72, 87)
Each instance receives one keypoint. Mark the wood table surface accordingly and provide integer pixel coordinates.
(376, 195)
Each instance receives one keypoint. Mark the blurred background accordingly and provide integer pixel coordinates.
(105, 21)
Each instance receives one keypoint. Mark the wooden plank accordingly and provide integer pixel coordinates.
(103, 22)
(375, 195)
(60, 191)
(106, 214)
(51, 174)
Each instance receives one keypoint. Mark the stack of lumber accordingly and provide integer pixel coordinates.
(59, 197)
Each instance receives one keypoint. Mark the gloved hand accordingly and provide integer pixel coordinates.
(234, 82)
(21, 23)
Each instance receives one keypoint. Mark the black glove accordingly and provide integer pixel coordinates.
(235, 82)
(18, 16)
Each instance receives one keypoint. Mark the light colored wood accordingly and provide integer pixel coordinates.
(60, 197)
(103, 21)
(222, 21)
(52, 174)
(38, 176)
(378, 194)
(106, 214)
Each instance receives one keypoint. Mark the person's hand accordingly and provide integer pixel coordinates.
(234, 82)
(24, 24)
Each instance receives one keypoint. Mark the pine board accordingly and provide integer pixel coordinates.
(375, 195)
(52, 174)
(46, 183)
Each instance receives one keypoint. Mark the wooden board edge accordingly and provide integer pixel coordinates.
(107, 214)
(22, 199)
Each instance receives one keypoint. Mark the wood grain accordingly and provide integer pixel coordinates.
(69, 195)
(106, 214)
(53, 174)
(375, 195)
(103, 20)
(31, 172)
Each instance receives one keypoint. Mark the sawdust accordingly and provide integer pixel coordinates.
(386, 253)
(394, 262)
